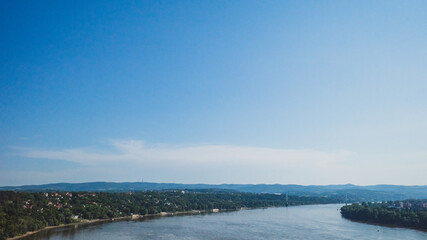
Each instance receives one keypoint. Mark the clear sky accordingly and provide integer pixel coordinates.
(289, 92)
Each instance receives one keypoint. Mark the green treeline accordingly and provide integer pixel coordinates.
(21, 212)
(408, 213)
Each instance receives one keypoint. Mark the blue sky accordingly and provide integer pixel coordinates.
(305, 92)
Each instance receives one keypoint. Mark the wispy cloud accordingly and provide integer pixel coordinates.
(137, 152)
(130, 160)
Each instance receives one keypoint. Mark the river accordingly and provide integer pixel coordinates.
(298, 222)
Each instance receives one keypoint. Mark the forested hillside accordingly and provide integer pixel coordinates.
(353, 192)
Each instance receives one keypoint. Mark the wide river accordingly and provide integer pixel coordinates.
(300, 222)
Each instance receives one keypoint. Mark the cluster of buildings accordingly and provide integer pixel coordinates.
(54, 199)
(407, 205)
(27, 204)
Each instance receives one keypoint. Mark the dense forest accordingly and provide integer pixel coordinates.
(407, 213)
(21, 212)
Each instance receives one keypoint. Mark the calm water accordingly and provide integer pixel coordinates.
(302, 222)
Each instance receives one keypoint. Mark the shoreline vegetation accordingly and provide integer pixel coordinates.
(25, 213)
(401, 214)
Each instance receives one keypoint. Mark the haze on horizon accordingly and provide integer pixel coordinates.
(288, 92)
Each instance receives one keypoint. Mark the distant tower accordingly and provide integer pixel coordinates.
(345, 198)
(287, 204)
(142, 179)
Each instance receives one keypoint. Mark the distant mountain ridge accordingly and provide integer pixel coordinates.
(353, 192)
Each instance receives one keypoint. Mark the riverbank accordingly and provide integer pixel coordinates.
(83, 222)
(411, 215)
(386, 225)
(125, 218)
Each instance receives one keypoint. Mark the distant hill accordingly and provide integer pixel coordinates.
(353, 192)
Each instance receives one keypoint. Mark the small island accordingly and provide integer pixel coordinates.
(23, 212)
(406, 213)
